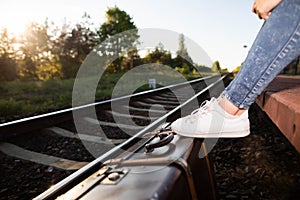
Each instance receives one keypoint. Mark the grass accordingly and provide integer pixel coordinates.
(26, 98)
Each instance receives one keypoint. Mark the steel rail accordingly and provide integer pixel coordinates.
(90, 168)
(29, 123)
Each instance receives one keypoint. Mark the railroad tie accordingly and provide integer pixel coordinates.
(48, 160)
(142, 103)
(125, 126)
(170, 98)
(168, 102)
(117, 114)
(145, 109)
(89, 138)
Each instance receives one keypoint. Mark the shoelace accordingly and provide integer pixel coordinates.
(202, 110)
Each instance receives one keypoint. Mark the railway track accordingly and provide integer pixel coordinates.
(66, 146)
(51, 155)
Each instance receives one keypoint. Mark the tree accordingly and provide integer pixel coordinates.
(8, 65)
(37, 60)
(184, 69)
(159, 55)
(182, 60)
(182, 51)
(131, 60)
(74, 44)
(216, 67)
(117, 22)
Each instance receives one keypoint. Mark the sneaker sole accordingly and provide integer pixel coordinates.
(238, 134)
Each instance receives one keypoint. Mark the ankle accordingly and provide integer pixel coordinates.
(230, 108)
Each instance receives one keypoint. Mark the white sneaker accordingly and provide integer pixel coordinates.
(211, 121)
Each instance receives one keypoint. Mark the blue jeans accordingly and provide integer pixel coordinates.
(276, 45)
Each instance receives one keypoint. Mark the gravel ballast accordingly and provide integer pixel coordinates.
(262, 165)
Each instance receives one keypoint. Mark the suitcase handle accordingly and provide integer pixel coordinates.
(165, 138)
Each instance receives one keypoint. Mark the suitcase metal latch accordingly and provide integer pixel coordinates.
(115, 176)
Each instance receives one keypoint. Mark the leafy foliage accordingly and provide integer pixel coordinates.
(182, 51)
(47, 51)
(159, 56)
(216, 67)
(117, 35)
(73, 45)
(37, 61)
(8, 65)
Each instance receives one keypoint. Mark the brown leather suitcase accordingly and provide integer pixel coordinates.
(159, 166)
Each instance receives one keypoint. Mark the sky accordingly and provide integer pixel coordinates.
(221, 27)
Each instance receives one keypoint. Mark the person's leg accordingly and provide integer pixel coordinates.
(276, 45)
